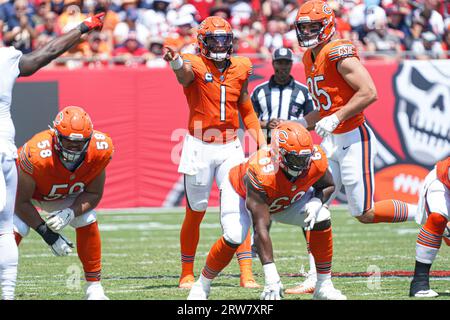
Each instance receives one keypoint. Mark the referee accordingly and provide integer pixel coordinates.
(280, 98)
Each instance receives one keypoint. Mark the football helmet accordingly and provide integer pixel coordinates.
(292, 148)
(215, 38)
(73, 131)
(314, 24)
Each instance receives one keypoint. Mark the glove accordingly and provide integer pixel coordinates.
(312, 208)
(327, 125)
(273, 290)
(62, 246)
(59, 219)
(91, 23)
(59, 244)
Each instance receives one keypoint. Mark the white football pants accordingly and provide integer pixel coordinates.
(201, 163)
(8, 249)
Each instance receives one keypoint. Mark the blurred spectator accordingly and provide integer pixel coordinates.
(433, 19)
(274, 9)
(41, 9)
(203, 8)
(50, 25)
(111, 19)
(155, 48)
(19, 29)
(362, 17)
(99, 52)
(71, 16)
(131, 23)
(273, 38)
(382, 38)
(155, 19)
(241, 11)
(397, 21)
(132, 52)
(221, 11)
(184, 39)
(427, 47)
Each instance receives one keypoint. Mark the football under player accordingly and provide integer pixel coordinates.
(215, 86)
(62, 171)
(289, 183)
(12, 65)
(341, 88)
(433, 214)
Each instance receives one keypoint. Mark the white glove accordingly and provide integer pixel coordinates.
(312, 208)
(327, 125)
(273, 290)
(59, 219)
(62, 246)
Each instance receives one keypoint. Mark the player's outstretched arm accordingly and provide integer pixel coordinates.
(182, 69)
(25, 210)
(91, 196)
(32, 62)
(357, 76)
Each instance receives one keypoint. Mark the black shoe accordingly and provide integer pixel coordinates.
(420, 288)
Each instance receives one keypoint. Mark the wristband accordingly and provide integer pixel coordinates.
(48, 235)
(83, 28)
(177, 63)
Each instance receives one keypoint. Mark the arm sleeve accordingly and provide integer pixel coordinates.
(251, 122)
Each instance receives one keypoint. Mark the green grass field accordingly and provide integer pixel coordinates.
(141, 260)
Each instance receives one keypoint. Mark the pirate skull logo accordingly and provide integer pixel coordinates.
(422, 111)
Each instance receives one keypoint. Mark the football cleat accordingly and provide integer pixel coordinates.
(249, 283)
(306, 287)
(198, 291)
(420, 288)
(186, 281)
(94, 291)
(326, 291)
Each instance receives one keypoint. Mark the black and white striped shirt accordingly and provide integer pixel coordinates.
(288, 102)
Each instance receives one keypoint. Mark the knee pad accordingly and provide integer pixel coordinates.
(199, 206)
(324, 214)
(235, 236)
(20, 226)
(84, 220)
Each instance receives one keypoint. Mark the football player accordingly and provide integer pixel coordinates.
(62, 171)
(215, 86)
(433, 214)
(341, 89)
(289, 183)
(12, 65)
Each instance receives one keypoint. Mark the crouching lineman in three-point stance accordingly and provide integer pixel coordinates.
(14, 64)
(433, 213)
(215, 85)
(341, 88)
(289, 183)
(62, 171)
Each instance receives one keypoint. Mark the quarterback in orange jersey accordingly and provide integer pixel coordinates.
(289, 183)
(62, 171)
(433, 214)
(215, 85)
(341, 89)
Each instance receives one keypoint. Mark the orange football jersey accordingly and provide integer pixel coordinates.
(213, 97)
(262, 173)
(329, 90)
(39, 159)
(443, 171)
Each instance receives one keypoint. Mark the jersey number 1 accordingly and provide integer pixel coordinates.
(223, 93)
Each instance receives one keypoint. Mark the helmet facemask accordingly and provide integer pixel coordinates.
(74, 154)
(217, 46)
(295, 164)
(313, 39)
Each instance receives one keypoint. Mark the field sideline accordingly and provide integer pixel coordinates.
(141, 259)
